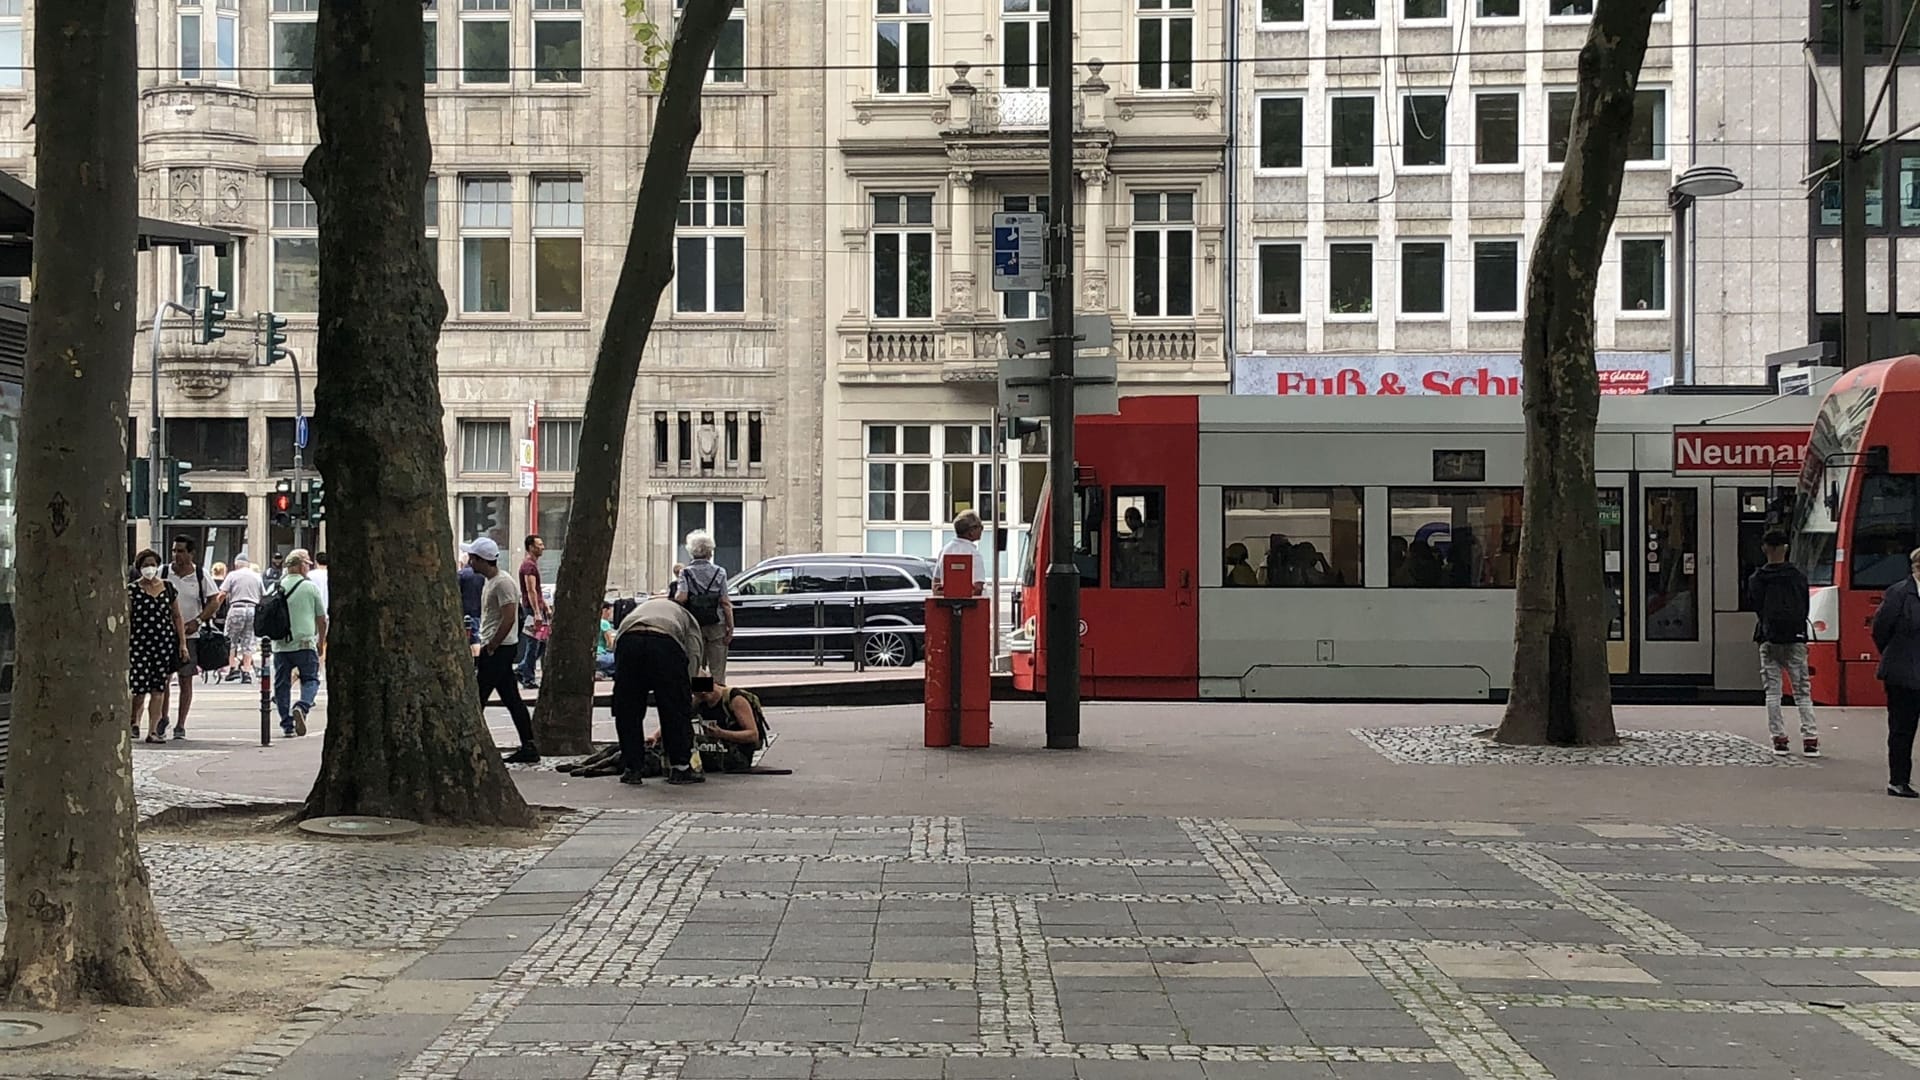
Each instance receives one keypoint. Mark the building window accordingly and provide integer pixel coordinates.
(226, 41)
(1283, 11)
(1423, 277)
(486, 42)
(1282, 140)
(559, 446)
(1559, 123)
(189, 22)
(1293, 538)
(1883, 20)
(13, 45)
(710, 266)
(756, 435)
(280, 432)
(1349, 279)
(1280, 279)
(1643, 274)
(189, 263)
(903, 256)
(486, 446)
(486, 243)
(294, 24)
(430, 40)
(1353, 11)
(558, 220)
(1024, 41)
(1496, 128)
(1415, 10)
(212, 444)
(729, 66)
(295, 272)
(1647, 139)
(1827, 156)
(430, 206)
(1498, 9)
(1350, 123)
(921, 476)
(903, 46)
(1453, 538)
(486, 515)
(1163, 254)
(1423, 120)
(556, 41)
(1025, 305)
(1496, 277)
(1166, 44)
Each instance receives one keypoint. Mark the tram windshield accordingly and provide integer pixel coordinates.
(1833, 450)
(1029, 559)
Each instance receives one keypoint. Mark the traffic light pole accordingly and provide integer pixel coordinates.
(156, 435)
(1063, 574)
(1855, 337)
(299, 411)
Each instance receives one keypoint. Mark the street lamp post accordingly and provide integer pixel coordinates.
(1699, 182)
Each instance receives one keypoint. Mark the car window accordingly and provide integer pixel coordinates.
(887, 579)
(815, 579)
(775, 582)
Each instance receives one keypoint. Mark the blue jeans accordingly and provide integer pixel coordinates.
(531, 649)
(307, 663)
(603, 663)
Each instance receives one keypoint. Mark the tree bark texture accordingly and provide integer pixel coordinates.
(81, 926)
(1561, 692)
(565, 721)
(404, 734)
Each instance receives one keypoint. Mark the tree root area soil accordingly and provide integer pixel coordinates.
(254, 992)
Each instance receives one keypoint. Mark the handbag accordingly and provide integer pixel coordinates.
(212, 650)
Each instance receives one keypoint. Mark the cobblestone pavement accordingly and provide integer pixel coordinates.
(708, 946)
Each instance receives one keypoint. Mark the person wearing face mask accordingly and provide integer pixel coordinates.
(156, 643)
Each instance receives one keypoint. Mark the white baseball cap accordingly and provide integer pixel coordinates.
(485, 549)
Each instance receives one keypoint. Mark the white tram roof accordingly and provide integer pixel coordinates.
(1638, 413)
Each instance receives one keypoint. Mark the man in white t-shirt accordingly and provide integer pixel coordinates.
(967, 529)
(199, 602)
(243, 591)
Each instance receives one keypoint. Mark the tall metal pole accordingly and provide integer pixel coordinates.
(156, 433)
(996, 498)
(299, 411)
(1855, 335)
(1682, 374)
(1063, 575)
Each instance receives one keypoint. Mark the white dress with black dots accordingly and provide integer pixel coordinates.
(153, 647)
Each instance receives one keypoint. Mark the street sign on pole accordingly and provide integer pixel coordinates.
(1024, 382)
(527, 473)
(1091, 333)
(1019, 246)
(300, 432)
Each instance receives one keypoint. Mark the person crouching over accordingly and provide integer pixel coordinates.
(733, 718)
(658, 652)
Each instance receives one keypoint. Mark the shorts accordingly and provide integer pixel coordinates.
(240, 628)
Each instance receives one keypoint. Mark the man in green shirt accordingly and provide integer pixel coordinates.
(300, 652)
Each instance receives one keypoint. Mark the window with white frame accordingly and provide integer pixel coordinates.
(486, 446)
(1350, 131)
(1416, 10)
(1280, 279)
(556, 41)
(1496, 128)
(486, 244)
(1354, 11)
(202, 266)
(1349, 278)
(1497, 9)
(430, 40)
(188, 20)
(1643, 274)
(189, 277)
(1559, 123)
(226, 41)
(559, 222)
(1024, 37)
(729, 67)
(486, 42)
(902, 256)
(1026, 305)
(293, 26)
(1166, 44)
(902, 46)
(1647, 138)
(710, 241)
(1496, 277)
(1282, 132)
(919, 477)
(13, 45)
(1274, 12)
(1163, 254)
(430, 207)
(295, 270)
(1423, 130)
(1423, 277)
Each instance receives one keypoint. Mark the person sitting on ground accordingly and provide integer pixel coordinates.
(603, 645)
(733, 718)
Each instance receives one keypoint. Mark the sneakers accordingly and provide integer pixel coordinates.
(684, 775)
(632, 776)
(526, 755)
(1810, 748)
(300, 718)
(1782, 746)
(1902, 791)
(179, 732)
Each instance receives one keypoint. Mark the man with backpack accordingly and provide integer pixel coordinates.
(294, 620)
(702, 590)
(1777, 593)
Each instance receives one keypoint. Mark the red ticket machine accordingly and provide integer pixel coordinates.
(959, 650)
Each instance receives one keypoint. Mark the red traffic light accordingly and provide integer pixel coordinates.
(282, 502)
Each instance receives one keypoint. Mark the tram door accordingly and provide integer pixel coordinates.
(1673, 540)
(1616, 564)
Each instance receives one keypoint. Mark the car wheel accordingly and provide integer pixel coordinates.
(887, 649)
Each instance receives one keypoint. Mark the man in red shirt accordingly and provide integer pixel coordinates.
(533, 641)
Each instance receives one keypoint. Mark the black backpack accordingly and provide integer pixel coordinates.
(273, 619)
(704, 602)
(1783, 605)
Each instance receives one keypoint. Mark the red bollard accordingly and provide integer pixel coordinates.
(959, 643)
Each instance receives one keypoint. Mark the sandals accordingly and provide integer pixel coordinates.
(155, 737)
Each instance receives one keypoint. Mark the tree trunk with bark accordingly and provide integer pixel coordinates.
(1561, 693)
(81, 926)
(405, 737)
(565, 719)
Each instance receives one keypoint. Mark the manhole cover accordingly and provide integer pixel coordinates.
(365, 827)
(18, 1031)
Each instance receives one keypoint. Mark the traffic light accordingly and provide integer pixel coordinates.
(273, 331)
(281, 503)
(174, 499)
(316, 501)
(1019, 428)
(139, 480)
(213, 312)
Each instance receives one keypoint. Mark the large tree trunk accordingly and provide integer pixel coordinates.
(1561, 694)
(405, 736)
(565, 719)
(80, 920)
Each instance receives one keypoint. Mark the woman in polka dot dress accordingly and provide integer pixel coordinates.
(157, 643)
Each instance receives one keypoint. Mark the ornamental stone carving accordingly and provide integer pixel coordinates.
(184, 186)
(229, 196)
(201, 385)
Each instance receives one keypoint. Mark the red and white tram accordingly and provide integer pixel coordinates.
(1325, 548)
(1857, 517)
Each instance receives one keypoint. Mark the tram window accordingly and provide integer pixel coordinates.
(1139, 538)
(1671, 551)
(1086, 535)
(1293, 537)
(1453, 538)
(1885, 529)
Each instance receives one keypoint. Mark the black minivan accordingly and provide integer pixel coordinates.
(873, 603)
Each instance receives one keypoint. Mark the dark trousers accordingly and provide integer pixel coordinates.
(652, 664)
(531, 650)
(496, 675)
(1903, 717)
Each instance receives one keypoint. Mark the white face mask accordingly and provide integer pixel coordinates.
(149, 572)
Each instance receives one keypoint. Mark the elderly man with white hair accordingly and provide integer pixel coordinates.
(300, 651)
(703, 592)
(244, 590)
